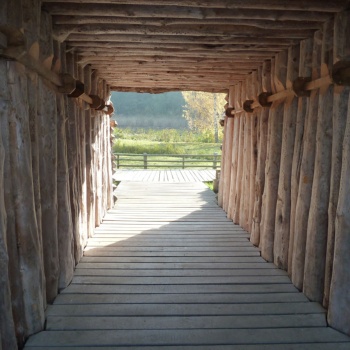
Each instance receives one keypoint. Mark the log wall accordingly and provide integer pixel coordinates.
(289, 162)
(55, 174)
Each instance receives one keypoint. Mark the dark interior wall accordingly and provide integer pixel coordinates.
(286, 168)
(55, 172)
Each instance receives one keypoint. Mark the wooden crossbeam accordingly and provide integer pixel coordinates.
(295, 5)
(178, 39)
(263, 24)
(63, 31)
(178, 12)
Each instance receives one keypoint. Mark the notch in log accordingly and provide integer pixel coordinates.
(3, 41)
(71, 86)
(263, 99)
(222, 122)
(247, 106)
(228, 112)
(299, 86)
(97, 102)
(341, 73)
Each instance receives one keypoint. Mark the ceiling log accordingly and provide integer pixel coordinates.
(295, 5)
(164, 39)
(187, 47)
(177, 12)
(62, 32)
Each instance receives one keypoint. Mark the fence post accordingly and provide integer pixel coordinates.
(145, 160)
(183, 162)
(118, 161)
(215, 160)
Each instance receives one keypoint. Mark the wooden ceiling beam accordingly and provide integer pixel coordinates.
(62, 32)
(263, 24)
(171, 39)
(163, 59)
(176, 52)
(177, 12)
(87, 45)
(295, 5)
(171, 70)
(157, 90)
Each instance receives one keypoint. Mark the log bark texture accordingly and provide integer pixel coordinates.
(306, 173)
(283, 205)
(7, 326)
(341, 94)
(262, 148)
(267, 225)
(339, 301)
(316, 242)
(305, 67)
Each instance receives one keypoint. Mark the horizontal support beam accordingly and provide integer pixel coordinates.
(169, 59)
(64, 83)
(178, 12)
(295, 5)
(101, 46)
(171, 39)
(263, 24)
(62, 32)
(178, 53)
(301, 87)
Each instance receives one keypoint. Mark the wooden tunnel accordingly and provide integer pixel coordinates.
(285, 174)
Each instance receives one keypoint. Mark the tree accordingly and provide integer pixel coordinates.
(202, 111)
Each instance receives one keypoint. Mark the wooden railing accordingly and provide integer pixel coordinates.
(155, 161)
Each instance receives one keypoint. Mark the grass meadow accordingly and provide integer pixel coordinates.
(166, 146)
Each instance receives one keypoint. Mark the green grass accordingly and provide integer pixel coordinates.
(210, 184)
(155, 147)
(162, 142)
(165, 135)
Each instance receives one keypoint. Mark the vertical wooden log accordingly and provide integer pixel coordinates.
(316, 242)
(228, 157)
(72, 151)
(48, 186)
(339, 300)
(82, 165)
(94, 148)
(240, 141)
(31, 24)
(244, 203)
(64, 216)
(306, 173)
(47, 119)
(7, 326)
(253, 150)
(17, 302)
(234, 160)
(305, 67)
(267, 226)
(28, 241)
(282, 220)
(261, 159)
(222, 170)
(340, 105)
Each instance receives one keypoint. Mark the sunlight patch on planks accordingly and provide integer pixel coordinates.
(172, 176)
(167, 270)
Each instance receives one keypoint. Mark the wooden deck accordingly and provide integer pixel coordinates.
(167, 270)
(177, 175)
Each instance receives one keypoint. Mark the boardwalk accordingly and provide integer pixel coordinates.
(178, 175)
(167, 270)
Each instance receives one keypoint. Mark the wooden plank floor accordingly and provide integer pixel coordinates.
(167, 270)
(186, 175)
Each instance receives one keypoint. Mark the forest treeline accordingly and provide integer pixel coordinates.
(149, 111)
